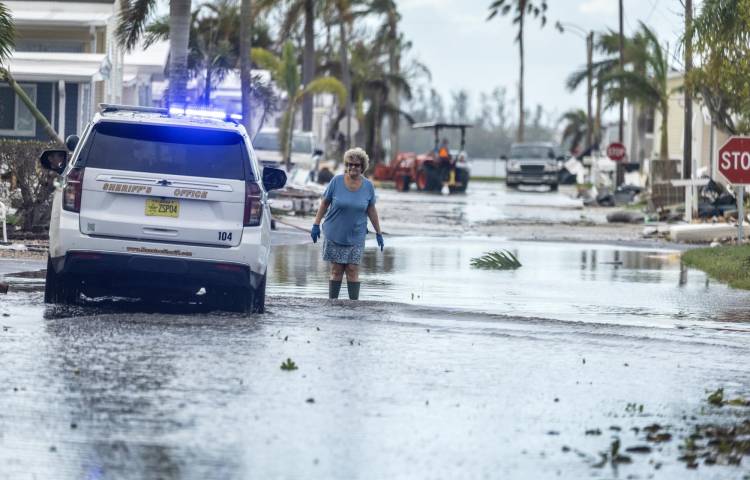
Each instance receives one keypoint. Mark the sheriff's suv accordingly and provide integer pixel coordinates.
(160, 206)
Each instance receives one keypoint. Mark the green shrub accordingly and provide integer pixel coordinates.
(20, 161)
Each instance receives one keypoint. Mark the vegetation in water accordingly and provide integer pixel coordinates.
(497, 260)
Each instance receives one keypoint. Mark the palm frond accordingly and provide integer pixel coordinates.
(325, 85)
(497, 260)
(265, 59)
(7, 34)
(156, 31)
(633, 86)
(133, 16)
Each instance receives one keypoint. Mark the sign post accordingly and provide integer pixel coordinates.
(734, 165)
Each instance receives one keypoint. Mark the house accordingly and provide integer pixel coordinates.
(706, 138)
(68, 61)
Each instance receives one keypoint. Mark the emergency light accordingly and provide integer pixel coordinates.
(198, 112)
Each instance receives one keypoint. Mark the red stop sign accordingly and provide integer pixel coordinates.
(616, 151)
(734, 160)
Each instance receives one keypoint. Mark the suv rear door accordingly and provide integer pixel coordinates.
(177, 184)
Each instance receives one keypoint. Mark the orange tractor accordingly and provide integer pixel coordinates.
(431, 171)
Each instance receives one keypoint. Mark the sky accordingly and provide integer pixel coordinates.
(463, 50)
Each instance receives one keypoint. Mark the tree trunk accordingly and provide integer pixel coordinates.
(179, 34)
(308, 65)
(39, 116)
(246, 38)
(207, 89)
(687, 161)
(289, 137)
(346, 77)
(598, 120)
(394, 94)
(521, 113)
(664, 149)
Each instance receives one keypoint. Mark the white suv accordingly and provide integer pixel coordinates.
(154, 205)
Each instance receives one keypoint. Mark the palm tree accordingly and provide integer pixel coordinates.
(646, 83)
(520, 8)
(387, 35)
(246, 44)
(133, 17)
(372, 83)
(575, 129)
(295, 10)
(285, 73)
(213, 46)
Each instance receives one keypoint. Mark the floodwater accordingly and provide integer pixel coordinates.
(442, 371)
(564, 281)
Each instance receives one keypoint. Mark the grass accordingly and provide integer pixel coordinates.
(728, 264)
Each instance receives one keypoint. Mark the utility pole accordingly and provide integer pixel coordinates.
(589, 93)
(687, 160)
(620, 173)
(622, 67)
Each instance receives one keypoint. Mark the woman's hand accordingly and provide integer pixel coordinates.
(379, 238)
(315, 233)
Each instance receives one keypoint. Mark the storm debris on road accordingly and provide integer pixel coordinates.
(289, 365)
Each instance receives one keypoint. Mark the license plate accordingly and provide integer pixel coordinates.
(162, 208)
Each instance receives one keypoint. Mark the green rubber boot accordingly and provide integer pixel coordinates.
(334, 287)
(353, 288)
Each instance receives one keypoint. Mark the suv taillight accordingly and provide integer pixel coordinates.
(72, 191)
(253, 207)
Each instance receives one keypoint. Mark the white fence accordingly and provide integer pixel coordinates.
(487, 167)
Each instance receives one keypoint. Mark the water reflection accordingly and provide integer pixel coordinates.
(612, 283)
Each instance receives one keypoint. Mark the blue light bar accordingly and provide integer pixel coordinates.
(198, 112)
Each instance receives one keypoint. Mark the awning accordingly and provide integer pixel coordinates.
(51, 67)
(60, 13)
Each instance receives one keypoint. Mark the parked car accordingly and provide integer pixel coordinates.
(154, 205)
(533, 163)
(305, 154)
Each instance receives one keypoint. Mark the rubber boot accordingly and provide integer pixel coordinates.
(334, 286)
(353, 288)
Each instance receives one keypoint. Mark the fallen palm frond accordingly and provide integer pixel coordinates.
(497, 260)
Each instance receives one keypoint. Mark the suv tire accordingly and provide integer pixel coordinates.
(259, 297)
(59, 289)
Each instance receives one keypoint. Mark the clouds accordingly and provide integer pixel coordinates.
(598, 7)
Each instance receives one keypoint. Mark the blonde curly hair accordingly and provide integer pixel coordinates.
(357, 154)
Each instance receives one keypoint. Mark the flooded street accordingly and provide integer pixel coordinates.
(442, 371)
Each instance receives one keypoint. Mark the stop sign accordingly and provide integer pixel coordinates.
(734, 160)
(616, 151)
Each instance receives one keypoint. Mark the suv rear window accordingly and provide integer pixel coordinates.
(169, 150)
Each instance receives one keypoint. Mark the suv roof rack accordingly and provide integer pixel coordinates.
(112, 107)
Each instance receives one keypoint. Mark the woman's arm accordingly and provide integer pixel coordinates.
(324, 204)
(373, 214)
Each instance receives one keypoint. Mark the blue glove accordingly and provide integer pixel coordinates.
(379, 238)
(315, 233)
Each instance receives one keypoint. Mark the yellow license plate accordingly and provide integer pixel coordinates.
(162, 208)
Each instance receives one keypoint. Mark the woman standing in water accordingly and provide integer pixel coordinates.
(351, 198)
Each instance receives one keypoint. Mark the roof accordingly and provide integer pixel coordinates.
(441, 125)
(60, 13)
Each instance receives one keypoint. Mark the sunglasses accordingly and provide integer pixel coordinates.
(353, 165)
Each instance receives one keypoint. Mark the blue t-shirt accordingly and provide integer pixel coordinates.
(345, 222)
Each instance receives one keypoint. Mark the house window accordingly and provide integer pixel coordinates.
(15, 118)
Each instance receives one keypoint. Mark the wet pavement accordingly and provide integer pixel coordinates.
(442, 371)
